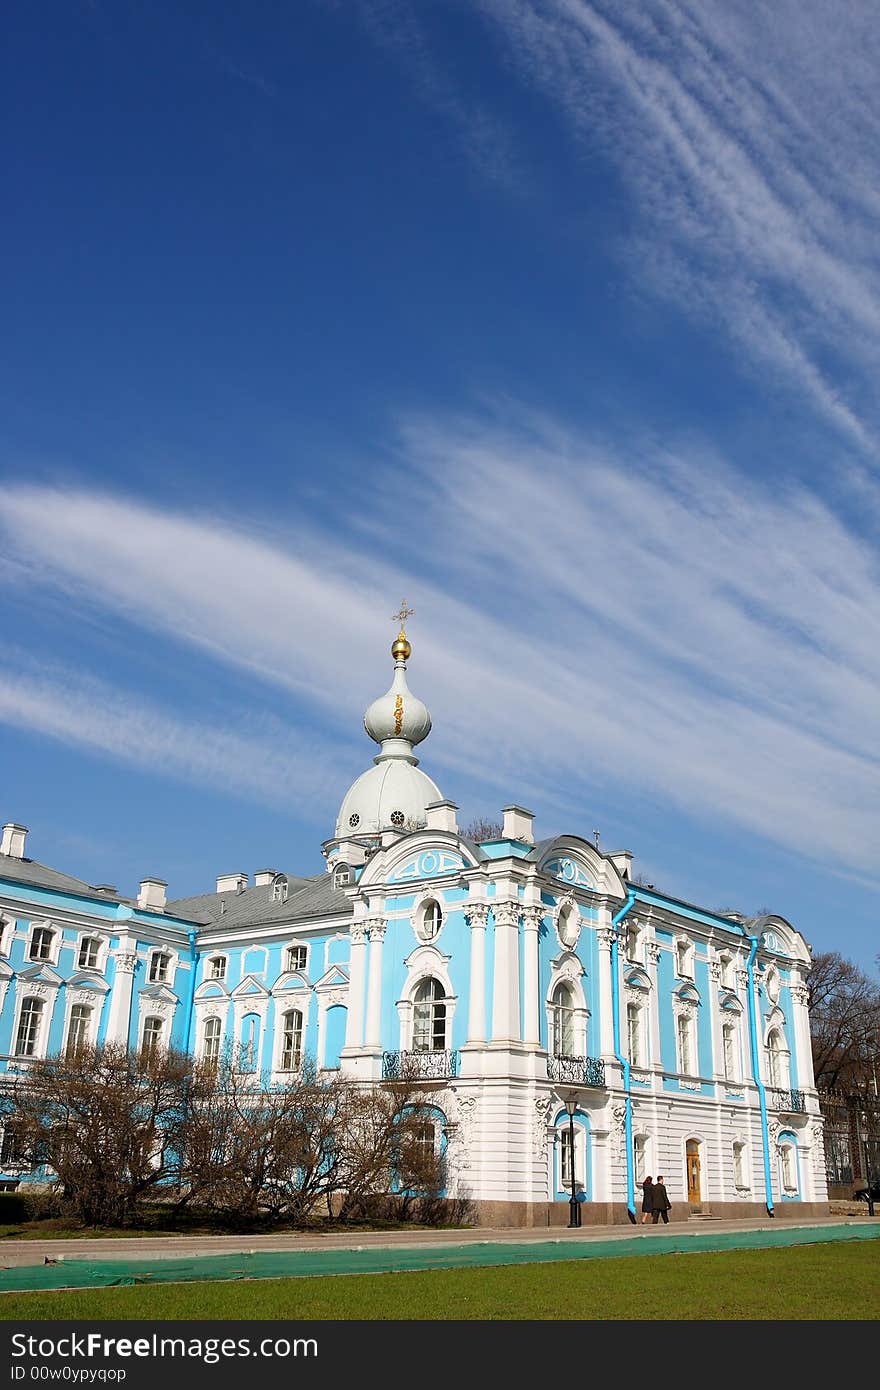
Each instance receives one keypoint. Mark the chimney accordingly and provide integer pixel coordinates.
(12, 842)
(622, 860)
(440, 815)
(262, 878)
(518, 824)
(231, 883)
(151, 894)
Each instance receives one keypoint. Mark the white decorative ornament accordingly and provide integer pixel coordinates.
(567, 921)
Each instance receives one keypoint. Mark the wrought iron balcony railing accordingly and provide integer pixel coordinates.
(419, 1066)
(577, 1071)
(792, 1101)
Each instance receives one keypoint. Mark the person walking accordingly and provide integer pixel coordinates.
(647, 1202)
(660, 1203)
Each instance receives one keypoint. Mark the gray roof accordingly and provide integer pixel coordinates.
(41, 876)
(306, 898)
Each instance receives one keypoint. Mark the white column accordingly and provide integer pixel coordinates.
(354, 1033)
(505, 992)
(477, 915)
(118, 1023)
(376, 929)
(605, 937)
(531, 1017)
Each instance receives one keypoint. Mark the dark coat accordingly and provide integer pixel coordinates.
(660, 1198)
(647, 1196)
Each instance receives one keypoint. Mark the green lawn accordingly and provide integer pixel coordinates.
(805, 1282)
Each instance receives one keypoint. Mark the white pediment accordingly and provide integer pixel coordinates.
(334, 977)
(291, 979)
(212, 989)
(250, 988)
(42, 974)
(84, 979)
(159, 993)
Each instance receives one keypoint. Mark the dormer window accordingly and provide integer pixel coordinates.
(342, 876)
(279, 888)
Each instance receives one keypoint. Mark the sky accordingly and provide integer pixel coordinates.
(560, 319)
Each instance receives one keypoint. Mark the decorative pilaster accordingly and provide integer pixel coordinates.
(800, 998)
(119, 1021)
(652, 956)
(376, 928)
(354, 1034)
(605, 937)
(505, 993)
(532, 917)
(477, 915)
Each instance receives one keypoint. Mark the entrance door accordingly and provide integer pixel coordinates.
(692, 1163)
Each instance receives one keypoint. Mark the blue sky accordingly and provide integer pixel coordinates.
(561, 319)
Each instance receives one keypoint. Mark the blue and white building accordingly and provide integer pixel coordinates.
(577, 1030)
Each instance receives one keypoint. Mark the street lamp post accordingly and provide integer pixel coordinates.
(574, 1206)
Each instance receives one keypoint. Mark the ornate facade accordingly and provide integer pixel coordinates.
(548, 1001)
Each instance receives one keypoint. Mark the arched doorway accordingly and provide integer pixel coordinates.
(692, 1173)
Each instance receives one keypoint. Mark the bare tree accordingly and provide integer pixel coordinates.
(844, 1023)
(110, 1123)
(386, 1147)
(482, 828)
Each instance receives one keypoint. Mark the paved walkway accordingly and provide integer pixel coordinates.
(21, 1253)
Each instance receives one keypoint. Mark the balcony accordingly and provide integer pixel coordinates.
(419, 1066)
(792, 1102)
(577, 1071)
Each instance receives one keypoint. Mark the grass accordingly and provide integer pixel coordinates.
(825, 1282)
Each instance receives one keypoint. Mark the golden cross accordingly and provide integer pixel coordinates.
(402, 616)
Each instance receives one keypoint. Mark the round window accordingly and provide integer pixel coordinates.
(569, 925)
(397, 818)
(354, 819)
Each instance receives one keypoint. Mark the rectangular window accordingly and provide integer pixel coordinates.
(729, 1034)
(565, 1153)
(28, 1028)
(635, 1034)
(296, 957)
(88, 953)
(640, 1148)
(684, 1045)
(291, 1041)
(739, 1172)
(14, 1152)
(41, 944)
(78, 1029)
(218, 968)
(159, 963)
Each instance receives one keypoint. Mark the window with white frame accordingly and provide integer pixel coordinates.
(291, 1040)
(42, 939)
(342, 876)
(684, 1028)
(280, 889)
(429, 1017)
(684, 960)
(428, 919)
(729, 1050)
(247, 1050)
(569, 1162)
(151, 1039)
(788, 1168)
(295, 958)
(739, 1165)
(777, 1059)
(726, 963)
(563, 1021)
(7, 930)
(565, 1155)
(634, 1034)
(28, 1033)
(217, 968)
(211, 1035)
(160, 963)
(78, 1029)
(640, 1156)
(14, 1152)
(89, 953)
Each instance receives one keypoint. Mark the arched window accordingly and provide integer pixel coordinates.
(429, 1017)
(634, 1034)
(341, 876)
(28, 1027)
(563, 1021)
(249, 1045)
(777, 1059)
(279, 888)
(788, 1167)
(152, 1037)
(78, 1029)
(291, 1040)
(211, 1041)
(89, 952)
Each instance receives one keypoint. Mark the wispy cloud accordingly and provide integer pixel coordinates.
(586, 628)
(748, 137)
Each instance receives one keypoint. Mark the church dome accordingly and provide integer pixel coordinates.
(394, 792)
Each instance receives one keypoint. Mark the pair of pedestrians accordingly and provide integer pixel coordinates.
(655, 1202)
